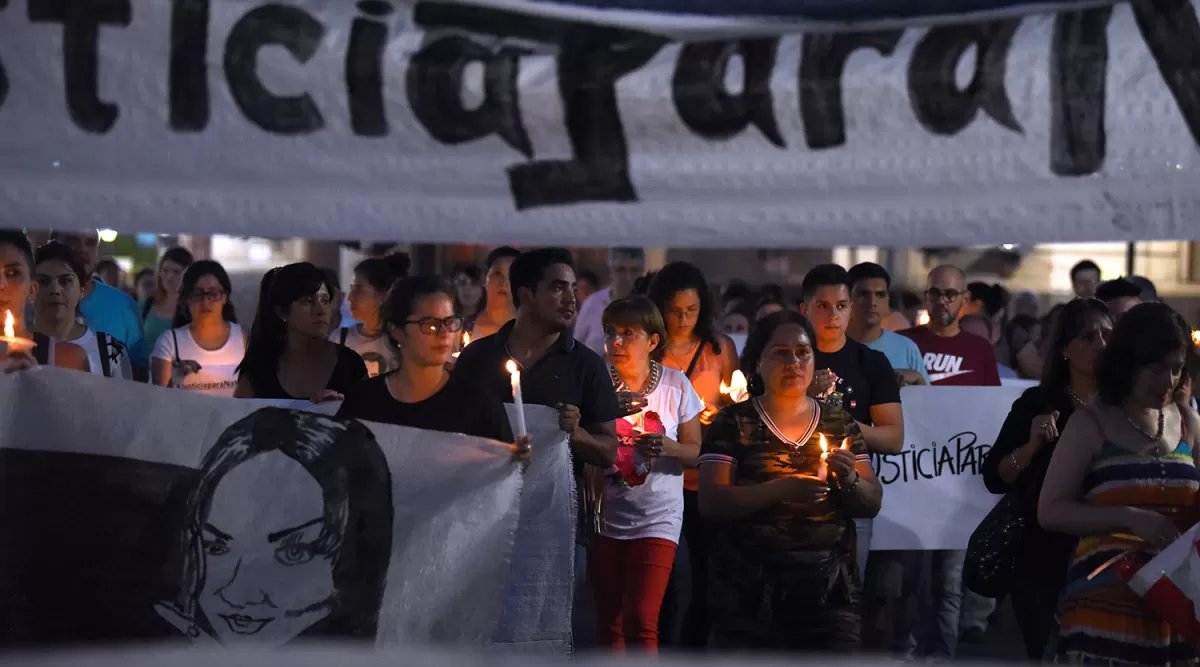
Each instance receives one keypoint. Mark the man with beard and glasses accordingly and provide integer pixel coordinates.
(625, 266)
(953, 357)
(861, 376)
(557, 372)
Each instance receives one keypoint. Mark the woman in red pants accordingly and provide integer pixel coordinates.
(642, 511)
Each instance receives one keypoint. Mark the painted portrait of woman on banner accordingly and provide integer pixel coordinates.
(286, 534)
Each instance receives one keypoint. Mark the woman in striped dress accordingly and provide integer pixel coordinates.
(1123, 477)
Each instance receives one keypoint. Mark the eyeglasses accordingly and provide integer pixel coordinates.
(935, 294)
(432, 325)
(207, 295)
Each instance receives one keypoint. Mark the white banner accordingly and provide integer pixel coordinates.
(152, 513)
(433, 122)
(933, 493)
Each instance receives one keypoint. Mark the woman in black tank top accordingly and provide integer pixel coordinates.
(288, 355)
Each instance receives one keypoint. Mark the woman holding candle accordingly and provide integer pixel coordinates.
(60, 276)
(420, 323)
(16, 286)
(782, 563)
(289, 355)
(642, 513)
(373, 277)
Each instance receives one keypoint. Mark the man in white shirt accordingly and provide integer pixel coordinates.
(625, 266)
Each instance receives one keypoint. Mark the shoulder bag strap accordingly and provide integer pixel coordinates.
(175, 338)
(695, 360)
(345, 335)
(105, 362)
(146, 306)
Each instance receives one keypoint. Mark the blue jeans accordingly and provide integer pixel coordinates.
(864, 528)
(936, 632)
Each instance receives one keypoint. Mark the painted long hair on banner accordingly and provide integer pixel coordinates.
(303, 556)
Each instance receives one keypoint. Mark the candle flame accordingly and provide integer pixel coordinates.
(466, 339)
(824, 444)
(511, 367)
(922, 317)
(1196, 337)
(846, 443)
(736, 390)
(10, 325)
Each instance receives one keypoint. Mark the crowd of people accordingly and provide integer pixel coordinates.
(706, 522)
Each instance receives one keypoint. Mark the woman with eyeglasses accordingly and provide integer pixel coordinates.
(289, 355)
(419, 321)
(204, 346)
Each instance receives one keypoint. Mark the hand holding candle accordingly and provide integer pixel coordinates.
(736, 390)
(12, 343)
(841, 462)
(518, 402)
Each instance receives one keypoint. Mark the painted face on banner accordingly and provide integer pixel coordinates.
(264, 582)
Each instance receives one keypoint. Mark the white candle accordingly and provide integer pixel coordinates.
(518, 403)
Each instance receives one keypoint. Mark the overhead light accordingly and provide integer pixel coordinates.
(1009, 246)
(107, 235)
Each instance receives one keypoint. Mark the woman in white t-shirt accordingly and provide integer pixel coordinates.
(60, 276)
(202, 350)
(642, 515)
(373, 278)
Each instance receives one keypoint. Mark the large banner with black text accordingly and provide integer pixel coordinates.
(149, 514)
(441, 122)
(933, 493)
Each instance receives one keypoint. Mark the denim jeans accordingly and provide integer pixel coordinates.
(936, 632)
(863, 528)
(583, 609)
(890, 598)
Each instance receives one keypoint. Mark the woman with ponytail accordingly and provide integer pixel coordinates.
(204, 346)
(289, 355)
(373, 278)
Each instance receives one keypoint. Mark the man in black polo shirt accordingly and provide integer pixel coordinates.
(556, 371)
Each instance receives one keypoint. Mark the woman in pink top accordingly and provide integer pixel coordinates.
(695, 347)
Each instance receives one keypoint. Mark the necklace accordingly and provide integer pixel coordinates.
(1141, 429)
(1075, 398)
(655, 376)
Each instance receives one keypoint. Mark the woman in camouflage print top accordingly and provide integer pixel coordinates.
(782, 574)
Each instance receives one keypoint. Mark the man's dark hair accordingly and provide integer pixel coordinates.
(1149, 292)
(529, 269)
(1112, 290)
(869, 271)
(503, 252)
(1085, 265)
(824, 275)
(588, 277)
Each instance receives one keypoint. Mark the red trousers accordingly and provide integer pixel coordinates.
(629, 579)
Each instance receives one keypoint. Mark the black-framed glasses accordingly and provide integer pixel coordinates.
(212, 296)
(934, 294)
(432, 325)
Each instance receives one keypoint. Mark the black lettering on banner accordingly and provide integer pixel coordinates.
(922, 471)
(588, 70)
(822, 67)
(434, 85)
(1078, 91)
(940, 106)
(1172, 32)
(706, 106)
(364, 70)
(945, 458)
(3, 74)
(272, 25)
(81, 21)
(187, 82)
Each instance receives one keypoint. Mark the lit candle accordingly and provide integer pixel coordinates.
(1196, 337)
(518, 403)
(922, 317)
(736, 390)
(823, 468)
(12, 342)
(466, 340)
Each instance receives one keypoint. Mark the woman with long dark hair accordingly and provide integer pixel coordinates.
(60, 276)
(419, 321)
(467, 281)
(1022, 452)
(262, 572)
(373, 277)
(1123, 478)
(202, 350)
(497, 307)
(707, 357)
(289, 355)
(782, 570)
(161, 308)
(16, 287)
